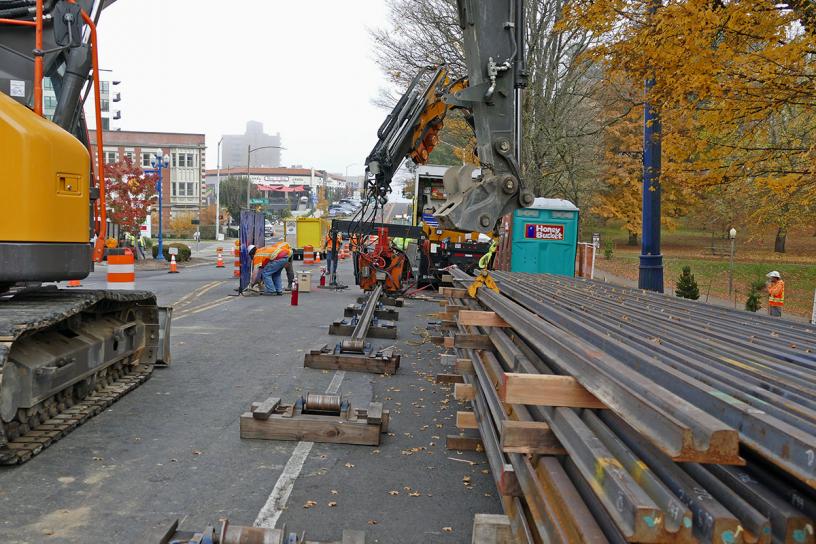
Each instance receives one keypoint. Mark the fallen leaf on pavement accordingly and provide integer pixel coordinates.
(447, 529)
(310, 504)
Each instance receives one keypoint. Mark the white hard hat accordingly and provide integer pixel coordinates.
(774, 274)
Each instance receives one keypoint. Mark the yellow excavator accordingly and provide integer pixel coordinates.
(64, 354)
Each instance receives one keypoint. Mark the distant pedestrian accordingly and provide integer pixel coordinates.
(776, 294)
(140, 247)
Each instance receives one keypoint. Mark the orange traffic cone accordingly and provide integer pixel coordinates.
(74, 283)
(173, 267)
(220, 263)
(317, 257)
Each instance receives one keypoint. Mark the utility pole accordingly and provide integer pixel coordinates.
(218, 193)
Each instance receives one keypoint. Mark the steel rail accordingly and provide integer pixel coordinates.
(754, 341)
(679, 428)
(713, 522)
(642, 471)
(692, 307)
(791, 407)
(667, 307)
(634, 511)
(728, 504)
(364, 320)
(555, 505)
(781, 443)
(701, 345)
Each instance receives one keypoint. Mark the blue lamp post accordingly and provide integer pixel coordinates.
(159, 163)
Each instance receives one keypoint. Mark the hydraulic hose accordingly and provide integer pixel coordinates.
(15, 13)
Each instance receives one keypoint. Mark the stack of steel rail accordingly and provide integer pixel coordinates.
(708, 431)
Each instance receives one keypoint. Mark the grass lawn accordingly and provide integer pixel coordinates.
(754, 257)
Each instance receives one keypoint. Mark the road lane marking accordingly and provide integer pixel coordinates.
(279, 498)
(198, 309)
(186, 299)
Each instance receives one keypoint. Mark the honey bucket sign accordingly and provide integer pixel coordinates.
(538, 231)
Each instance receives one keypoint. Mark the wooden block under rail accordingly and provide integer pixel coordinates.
(464, 366)
(463, 443)
(481, 319)
(464, 392)
(529, 437)
(468, 341)
(449, 379)
(453, 292)
(492, 529)
(546, 390)
(466, 420)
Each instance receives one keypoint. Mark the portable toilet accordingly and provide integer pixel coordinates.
(541, 239)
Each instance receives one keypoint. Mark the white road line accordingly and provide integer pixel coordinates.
(278, 499)
(334, 386)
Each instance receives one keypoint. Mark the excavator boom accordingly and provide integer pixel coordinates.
(494, 52)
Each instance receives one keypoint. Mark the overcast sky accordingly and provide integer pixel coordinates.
(304, 69)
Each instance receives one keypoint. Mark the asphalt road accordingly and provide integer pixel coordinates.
(171, 448)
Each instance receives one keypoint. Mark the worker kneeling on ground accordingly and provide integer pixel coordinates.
(776, 294)
(270, 261)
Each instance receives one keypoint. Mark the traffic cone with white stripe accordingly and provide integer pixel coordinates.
(173, 266)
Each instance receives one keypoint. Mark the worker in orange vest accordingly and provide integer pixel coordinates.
(776, 294)
(355, 243)
(270, 262)
(332, 254)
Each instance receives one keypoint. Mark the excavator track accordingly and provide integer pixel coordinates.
(34, 441)
(125, 327)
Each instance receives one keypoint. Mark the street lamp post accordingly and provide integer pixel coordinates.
(159, 163)
(347, 169)
(218, 194)
(250, 151)
(733, 235)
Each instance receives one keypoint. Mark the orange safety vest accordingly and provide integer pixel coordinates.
(776, 294)
(277, 251)
(328, 242)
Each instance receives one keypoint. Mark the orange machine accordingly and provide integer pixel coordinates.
(384, 264)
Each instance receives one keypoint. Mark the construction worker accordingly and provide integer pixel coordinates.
(776, 294)
(332, 254)
(355, 244)
(140, 247)
(271, 261)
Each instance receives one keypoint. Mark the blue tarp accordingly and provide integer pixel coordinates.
(251, 233)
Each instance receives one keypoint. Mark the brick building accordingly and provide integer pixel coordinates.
(182, 182)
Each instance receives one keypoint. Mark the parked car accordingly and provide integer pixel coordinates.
(269, 230)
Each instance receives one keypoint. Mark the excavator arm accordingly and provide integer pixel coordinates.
(494, 52)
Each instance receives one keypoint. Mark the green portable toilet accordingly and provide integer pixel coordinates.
(542, 238)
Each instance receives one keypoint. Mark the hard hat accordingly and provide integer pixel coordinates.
(251, 251)
(774, 274)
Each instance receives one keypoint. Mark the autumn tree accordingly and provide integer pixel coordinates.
(733, 82)
(129, 194)
(234, 194)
